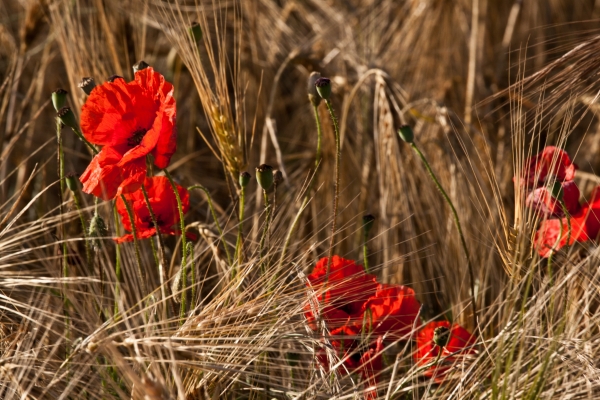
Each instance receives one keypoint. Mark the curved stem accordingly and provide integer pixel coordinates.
(338, 156)
(214, 215)
(458, 227)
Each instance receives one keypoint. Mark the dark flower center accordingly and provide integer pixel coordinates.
(136, 137)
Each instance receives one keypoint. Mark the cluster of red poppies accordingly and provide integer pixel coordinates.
(552, 192)
(362, 314)
(135, 123)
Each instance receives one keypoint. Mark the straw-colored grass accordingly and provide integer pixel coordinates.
(484, 84)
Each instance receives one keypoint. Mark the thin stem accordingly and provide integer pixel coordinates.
(338, 156)
(458, 227)
(308, 191)
(65, 263)
(238, 243)
(117, 264)
(319, 135)
(88, 252)
(136, 246)
(84, 140)
(265, 228)
(214, 215)
(193, 267)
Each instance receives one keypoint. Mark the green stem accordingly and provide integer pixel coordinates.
(214, 215)
(238, 243)
(265, 229)
(117, 264)
(88, 252)
(84, 140)
(319, 135)
(308, 191)
(136, 246)
(338, 156)
(65, 261)
(458, 227)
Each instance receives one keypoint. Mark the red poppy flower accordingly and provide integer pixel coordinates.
(551, 164)
(541, 200)
(164, 205)
(460, 344)
(347, 289)
(585, 225)
(392, 311)
(131, 120)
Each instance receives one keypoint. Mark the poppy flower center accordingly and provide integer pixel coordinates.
(136, 137)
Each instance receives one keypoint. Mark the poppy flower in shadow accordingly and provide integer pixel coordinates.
(164, 206)
(131, 120)
(341, 295)
(541, 200)
(392, 311)
(554, 234)
(552, 164)
(454, 345)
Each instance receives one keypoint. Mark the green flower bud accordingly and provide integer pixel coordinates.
(441, 336)
(244, 179)
(406, 133)
(264, 176)
(323, 86)
(195, 31)
(67, 117)
(59, 98)
(71, 180)
(140, 65)
(87, 84)
(557, 191)
(313, 95)
(368, 222)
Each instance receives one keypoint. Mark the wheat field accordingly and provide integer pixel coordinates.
(222, 314)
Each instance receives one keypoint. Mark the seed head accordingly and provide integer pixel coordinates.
(87, 84)
(441, 336)
(59, 98)
(195, 31)
(323, 86)
(368, 221)
(67, 117)
(71, 180)
(113, 78)
(406, 133)
(264, 176)
(313, 95)
(140, 65)
(244, 179)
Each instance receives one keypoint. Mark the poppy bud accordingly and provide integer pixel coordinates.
(323, 86)
(67, 117)
(195, 31)
(71, 181)
(96, 231)
(113, 78)
(313, 95)
(368, 221)
(140, 65)
(441, 336)
(59, 98)
(557, 191)
(264, 176)
(277, 177)
(406, 133)
(244, 179)
(87, 84)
